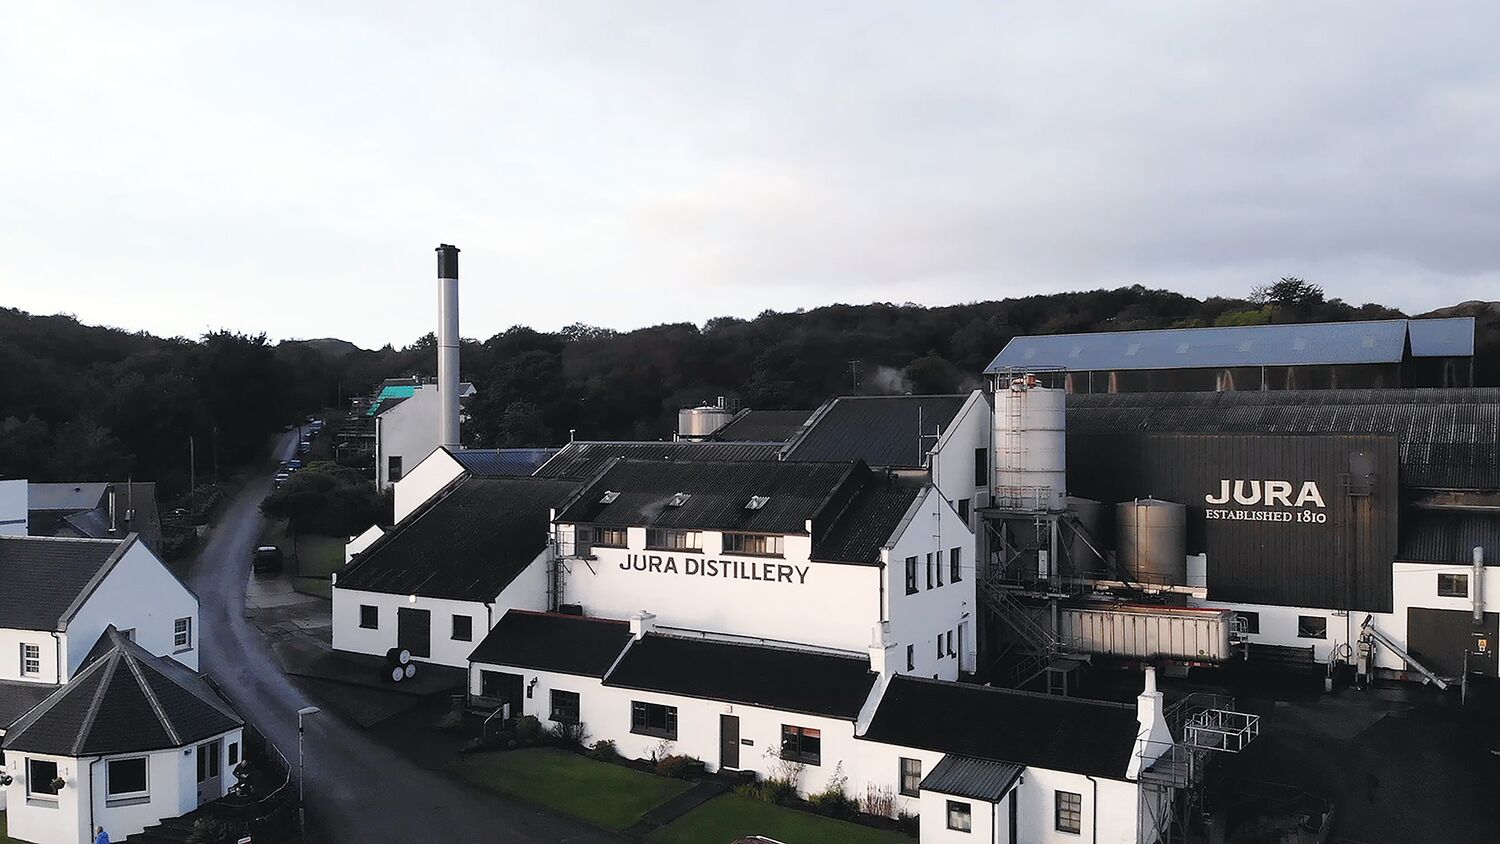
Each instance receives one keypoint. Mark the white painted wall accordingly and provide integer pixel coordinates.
(953, 457)
(139, 593)
(13, 518)
(49, 644)
(933, 811)
(361, 542)
(424, 480)
(824, 604)
(409, 430)
(919, 619)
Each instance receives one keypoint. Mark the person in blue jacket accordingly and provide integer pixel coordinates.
(100, 836)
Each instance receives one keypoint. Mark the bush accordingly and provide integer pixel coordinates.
(908, 824)
(568, 735)
(605, 751)
(208, 831)
(528, 730)
(879, 801)
(679, 767)
(780, 792)
(832, 800)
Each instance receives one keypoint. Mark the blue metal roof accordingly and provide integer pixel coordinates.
(502, 462)
(1301, 344)
(1441, 338)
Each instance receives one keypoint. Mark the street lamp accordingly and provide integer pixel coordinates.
(301, 770)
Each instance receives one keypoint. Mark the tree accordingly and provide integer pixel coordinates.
(1289, 291)
(328, 500)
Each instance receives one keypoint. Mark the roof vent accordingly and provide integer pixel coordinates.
(756, 502)
(1182, 348)
(679, 499)
(1133, 348)
(609, 497)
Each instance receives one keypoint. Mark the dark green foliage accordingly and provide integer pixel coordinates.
(679, 767)
(529, 730)
(329, 500)
(605, 751)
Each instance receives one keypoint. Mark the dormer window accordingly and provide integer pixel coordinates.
(756, 502)
(679, 499)
(609, 497)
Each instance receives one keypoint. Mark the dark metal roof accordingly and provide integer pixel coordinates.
(41, 577)
(583, 460)
(1448, 438)
(812, 683)
(123, 700)
(16, 698)
(1448, 536)
(868, 523)
(716, 495)
(1023, 728)
(467, 543)
(91, 520)
(1302, 344)
(763, 426)
(567, 644)
(893, 431)
(976, 779)
(70, 497)
(502, 462)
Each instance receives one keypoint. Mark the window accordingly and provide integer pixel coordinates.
(940, 648)
(801, 744)
(1312, 627)
(565, 706)
(757, 544)
(1069, 812)
(463, 628)
(911, 575)
(369, 617)
(911, 657)
(663, 539)
(128, 633)
(31, 660)
(960, 818)
(951, 652)
(955, 560)
(981, 467)
(929, 569)
(126, 778)
(963, 509)
(39, 777)
(393, 469)
(182, 634)
(653, 719)
(1250, 620)
(234, 754)
(1453, 586)
(939, 558)
(911, 777)
(610, 537)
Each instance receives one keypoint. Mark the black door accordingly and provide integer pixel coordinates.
(1440, 638)
(502, 688)
(729, 742)
(414, 631)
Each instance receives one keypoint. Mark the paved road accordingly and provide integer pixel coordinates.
(357, 788)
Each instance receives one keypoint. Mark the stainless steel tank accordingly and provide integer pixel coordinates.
(694, 423)
(1151, 540)
(1090, 515)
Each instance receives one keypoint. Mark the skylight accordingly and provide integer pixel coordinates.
(756, 502)
(679, 499)
(609, 497)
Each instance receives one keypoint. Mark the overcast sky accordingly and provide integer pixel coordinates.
(178, 167)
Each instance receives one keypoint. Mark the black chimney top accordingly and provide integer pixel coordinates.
(447, 261)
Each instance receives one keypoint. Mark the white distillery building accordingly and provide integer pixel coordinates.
(407, 426)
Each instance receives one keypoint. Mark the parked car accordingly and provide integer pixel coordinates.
(268, 559)
(294, 464)
(281, 478)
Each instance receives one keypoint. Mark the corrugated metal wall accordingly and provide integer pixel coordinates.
(1337, 556)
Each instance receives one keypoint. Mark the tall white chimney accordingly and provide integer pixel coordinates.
(447, 345)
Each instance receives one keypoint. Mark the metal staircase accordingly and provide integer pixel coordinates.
(1045, 654)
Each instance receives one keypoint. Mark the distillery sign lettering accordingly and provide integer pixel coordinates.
(1267, 501)
(725, 569)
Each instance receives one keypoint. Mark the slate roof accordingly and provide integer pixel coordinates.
(90, 517)
(583, 460)
(717, 495)
(567, 644)
(64, 496)
(501, 462)
(17, 697)
(1448, 438)
(1448, 536)
(869, 522)
(466, 544)
(893, 431)
(44, 576)
(789, 680)
(1369, 341)
(976, 779)
(763, 426)
(123, 700)
(1022, 728)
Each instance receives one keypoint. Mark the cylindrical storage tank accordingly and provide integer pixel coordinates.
(1090, 514)
(694, 423)
(1030, 445)
(1151, 540)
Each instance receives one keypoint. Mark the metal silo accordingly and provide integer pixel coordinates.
(1030, 443)
(698, 423)
(1151, 540)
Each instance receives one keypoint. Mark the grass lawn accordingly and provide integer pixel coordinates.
(730, 816)
(601, 793)
(317, 556)
(5, 839)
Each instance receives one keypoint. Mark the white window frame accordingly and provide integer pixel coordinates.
(182, 634)
(31, 654)
(31, 792)
(1453, 578)
(110, 796)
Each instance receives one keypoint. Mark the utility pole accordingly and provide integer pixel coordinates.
(192, 470)
(854, 368)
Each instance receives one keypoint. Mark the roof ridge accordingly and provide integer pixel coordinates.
(108, 668)
(1273, 325)
(1109, 704)
(784, 648)
(156, 705)
(62, 538)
